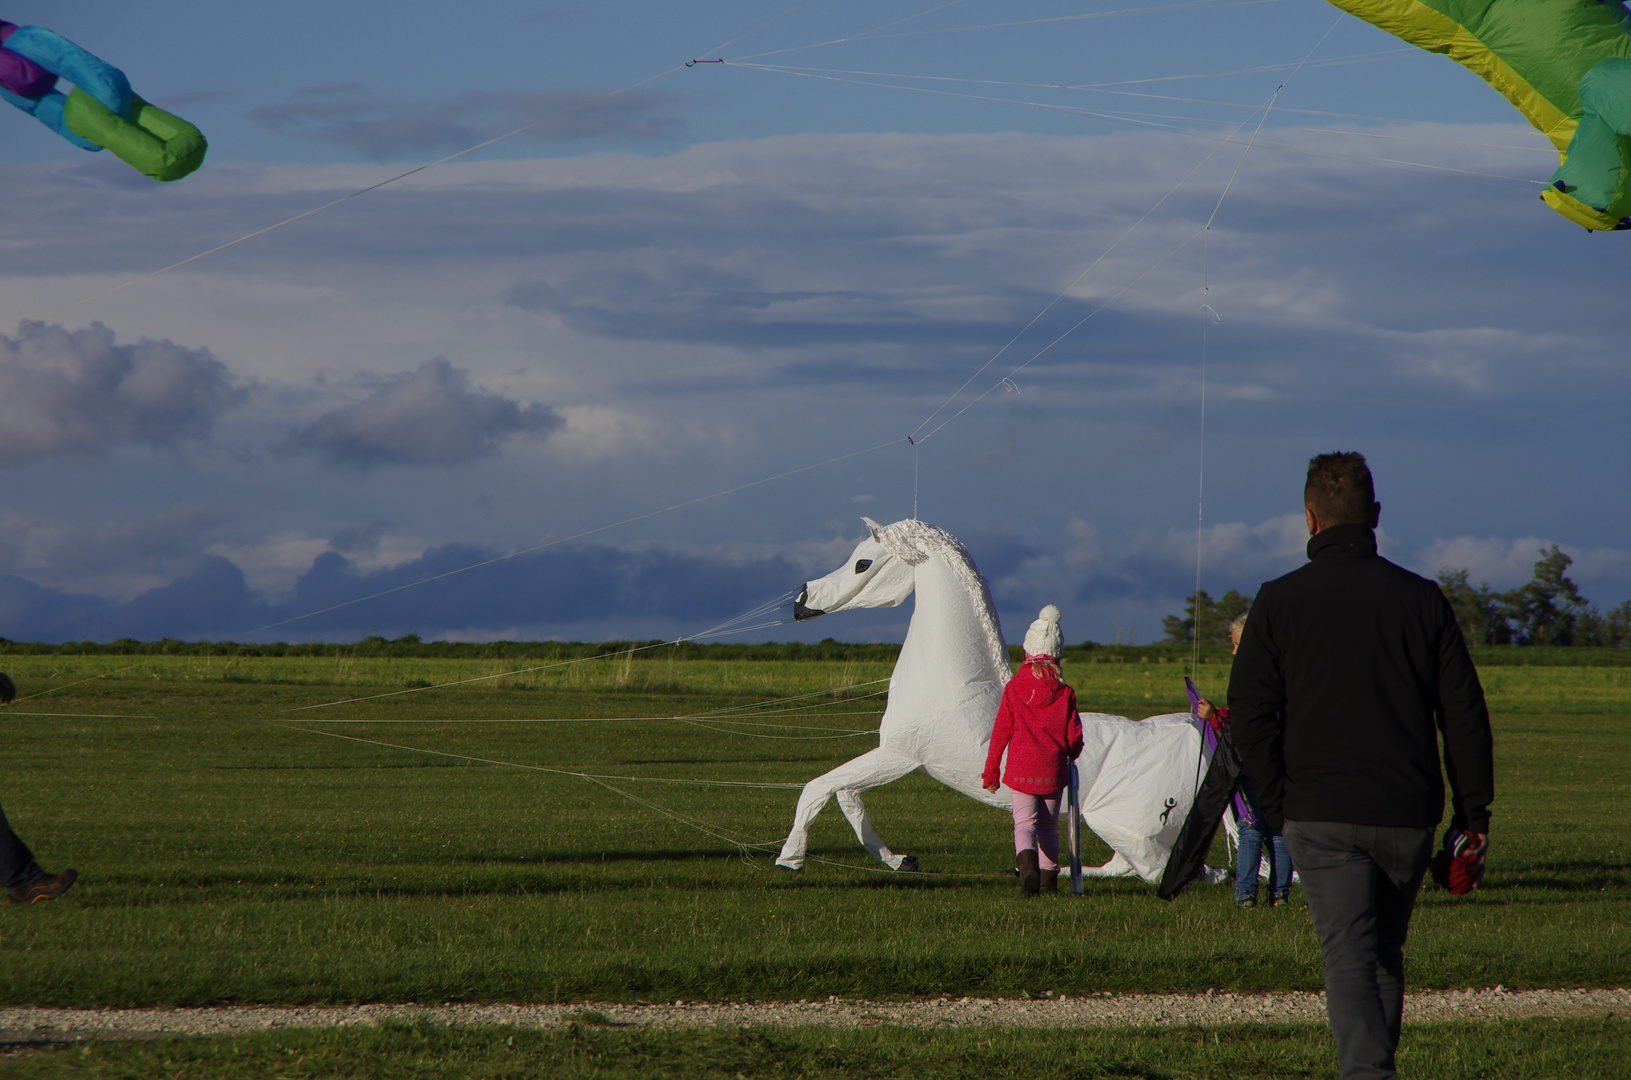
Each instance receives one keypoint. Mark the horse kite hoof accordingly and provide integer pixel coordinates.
(908, 864)
(784, 868)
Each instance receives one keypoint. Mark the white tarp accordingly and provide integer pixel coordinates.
(1138, 779)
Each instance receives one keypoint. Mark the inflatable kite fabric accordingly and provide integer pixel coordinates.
(102, 112)
(1137, 779)
(1566, 65)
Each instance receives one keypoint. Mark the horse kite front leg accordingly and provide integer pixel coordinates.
(847, 782)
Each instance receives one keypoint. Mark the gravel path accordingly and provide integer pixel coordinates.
(35, 1023)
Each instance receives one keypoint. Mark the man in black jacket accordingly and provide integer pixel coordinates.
(1349, 670)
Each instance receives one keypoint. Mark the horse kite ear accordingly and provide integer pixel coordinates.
(873, 525)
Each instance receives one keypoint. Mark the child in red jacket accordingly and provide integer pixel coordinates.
(1038, 726)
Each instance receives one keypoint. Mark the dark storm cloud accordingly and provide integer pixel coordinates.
(548, 592)
(552, 588)
(78, 393)
(379, 128)
(427, 417)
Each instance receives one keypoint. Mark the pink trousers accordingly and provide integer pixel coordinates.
(1036, 824)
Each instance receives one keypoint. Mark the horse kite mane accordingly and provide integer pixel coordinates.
(908, 539)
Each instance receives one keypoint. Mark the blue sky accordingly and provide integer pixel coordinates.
(736, 271)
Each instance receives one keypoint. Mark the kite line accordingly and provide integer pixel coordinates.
(403, 175)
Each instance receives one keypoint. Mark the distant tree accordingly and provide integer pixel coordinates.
(1547, 610)
(1479, 609)
(1610, 629)
(1212, 616)
(1618, 625)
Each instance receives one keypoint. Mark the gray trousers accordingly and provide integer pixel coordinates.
(1361, 883)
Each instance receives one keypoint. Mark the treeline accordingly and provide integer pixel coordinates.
(1549, 610)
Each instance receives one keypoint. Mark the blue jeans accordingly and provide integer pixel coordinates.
(1247, 858)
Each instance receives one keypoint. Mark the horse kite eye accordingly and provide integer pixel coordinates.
(861, 565)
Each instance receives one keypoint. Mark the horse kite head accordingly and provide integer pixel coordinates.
(879, 574)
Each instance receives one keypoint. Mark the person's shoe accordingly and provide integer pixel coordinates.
(1050, 882)
(1030, 875)
(45, 887)
(1282, 900)
(1246, 902)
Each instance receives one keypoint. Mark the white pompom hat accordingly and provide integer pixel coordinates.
(1043, 639)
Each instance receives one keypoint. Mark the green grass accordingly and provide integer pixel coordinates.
(1496, 1051)
(227, 858)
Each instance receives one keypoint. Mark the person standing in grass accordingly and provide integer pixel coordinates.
(20, 875)
(1038, 726)
(1255, 837)
(24, 881)
(1349, 670)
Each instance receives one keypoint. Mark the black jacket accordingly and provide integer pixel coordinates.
(1348, 670)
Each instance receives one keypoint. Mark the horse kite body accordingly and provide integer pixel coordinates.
(1137, 779)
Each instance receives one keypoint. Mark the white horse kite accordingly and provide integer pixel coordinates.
(1137, 779)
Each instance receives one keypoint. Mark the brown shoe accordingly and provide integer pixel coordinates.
(1050, 882)
(46, 887)
(1030, 876)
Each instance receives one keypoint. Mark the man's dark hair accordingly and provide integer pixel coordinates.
(1339, 489)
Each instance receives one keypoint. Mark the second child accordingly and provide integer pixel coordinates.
(1256, 838)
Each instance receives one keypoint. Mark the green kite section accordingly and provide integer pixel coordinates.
(1564, 64)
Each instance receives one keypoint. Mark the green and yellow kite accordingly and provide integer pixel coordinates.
(1566, 65)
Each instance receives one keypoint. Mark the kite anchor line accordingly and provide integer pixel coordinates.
(1200, 476)
(913, 444)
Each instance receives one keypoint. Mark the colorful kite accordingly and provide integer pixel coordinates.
(1566, 65)
(102, 112)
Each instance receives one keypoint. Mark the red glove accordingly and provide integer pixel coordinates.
(1459, 865)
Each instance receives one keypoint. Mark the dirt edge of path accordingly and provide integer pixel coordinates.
(34, 1023)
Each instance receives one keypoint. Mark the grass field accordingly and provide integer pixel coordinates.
(232, 853)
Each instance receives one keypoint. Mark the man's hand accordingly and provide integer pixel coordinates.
(1205, 710)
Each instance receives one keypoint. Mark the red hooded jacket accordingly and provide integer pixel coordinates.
(1038, 725)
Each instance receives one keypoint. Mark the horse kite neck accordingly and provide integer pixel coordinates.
(954, 637)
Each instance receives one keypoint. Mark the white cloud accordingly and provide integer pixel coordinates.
(425, 417)
(1604, 573)
(273, 566)
(701, 320)
(597, 432)
(79, 394)
(118, 558)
